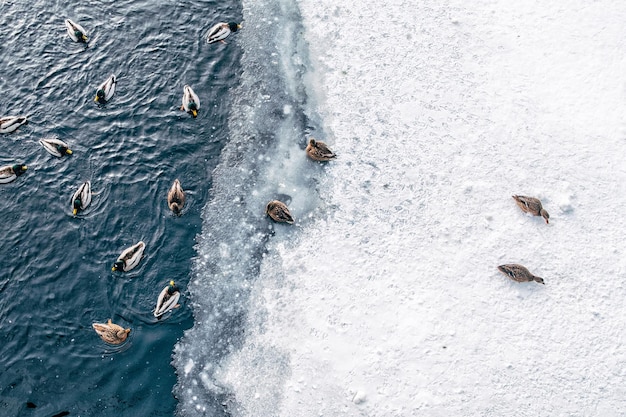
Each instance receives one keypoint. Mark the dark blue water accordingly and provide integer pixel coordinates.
(55, 270)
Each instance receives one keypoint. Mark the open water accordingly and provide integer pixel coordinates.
(55, 274)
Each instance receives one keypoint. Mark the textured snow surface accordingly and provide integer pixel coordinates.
(390, 303)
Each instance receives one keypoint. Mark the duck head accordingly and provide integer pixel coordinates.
(118, 266)
(99, 96)
(80, 36)
(19, 169)
(172, 288)
(234, 27)
(76, 205)
(64, 149)
(193, 108)
(545, 215)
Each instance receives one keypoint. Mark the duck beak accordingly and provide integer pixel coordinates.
(84, 38)
(24, 167)
(238, 26)
(69, 152)
(75, 211)
(96, 99)
(194, 113)
(114, 269)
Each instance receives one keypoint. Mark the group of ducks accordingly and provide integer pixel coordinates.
(129, 258)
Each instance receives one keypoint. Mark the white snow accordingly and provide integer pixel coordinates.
(389, 303)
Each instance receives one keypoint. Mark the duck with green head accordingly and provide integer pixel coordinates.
(191, 102)
(10, 173)
(81, 198)
(168, 300)
(105, 91)
(129, 258)
(76, 31)
(55, 147)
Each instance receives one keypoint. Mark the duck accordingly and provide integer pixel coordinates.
(318, 151)
(106, 90)
(110, 332)
(531, 205)
(10, 173)
(221, 31)
(168, 300)
(76, 31)
(176, 197)
(81, 198)
(278, 211)
(519, 273)
(129, 258)
(191, 102)
(9, 124)
(55, 147)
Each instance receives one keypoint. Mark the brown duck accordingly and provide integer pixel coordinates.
(111, 332)
(279, 212)
(519, 273)
(318, 151)
(176, 197)
(531, 205)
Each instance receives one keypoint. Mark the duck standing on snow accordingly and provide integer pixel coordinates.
(55, 147)
(76, 31)
(110, 332)
(176, 197)
(9, 124)
(81, 198)
(168, 300)
(318, 151)
(221, 31)
(9, 173)
(519, 273)
(191, 102)
(129, 258)
(106, 90)
(278, 211)
(531, 205)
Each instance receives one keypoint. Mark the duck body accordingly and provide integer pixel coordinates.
(81, 197)
(76, 31)
(10, 124)
(176, 197)
(221, 31)
(10, 173)
(531, 205)
(106, 90)
(191, 102)
(318, 151)
(519, 273)
(55, 147)
(110, 332)
(278, 211)
(168, 300)
(129, 258)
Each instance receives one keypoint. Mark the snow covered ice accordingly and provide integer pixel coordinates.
(388, 301)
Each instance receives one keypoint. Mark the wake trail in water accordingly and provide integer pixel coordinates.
(263, 160)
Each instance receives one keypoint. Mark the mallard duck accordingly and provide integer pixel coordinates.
(110, 332)
(106, 90)
(279, 212)
(55, 147)
(76, 31)
(176, 197)
(221, 31)
(519, 273)
(9, 124)
(81, 198)
(531, 205)
(129, 258)
(191, 102)
(9, 173)
(168, 300)
(318, 151)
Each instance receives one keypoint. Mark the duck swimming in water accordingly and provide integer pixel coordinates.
(9, 124)
(55, 147)
(318, 151)
(106, 90)
(110, 332)
(191, 102)
(519, 273)
(10, 173)
(81, 198)
(278, 211)
(76, 31)
(221, 31)
(168, 300)
(129, 258)
(176, 197)
(531, 205)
